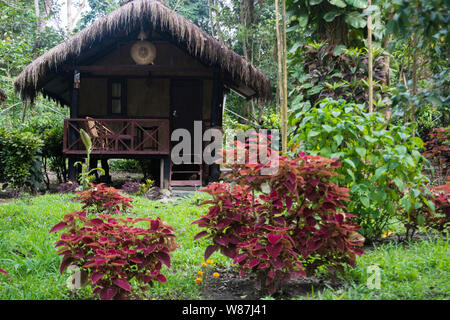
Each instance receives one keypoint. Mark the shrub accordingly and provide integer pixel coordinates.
(379, 161)
(137, 188)
(126, 165)
(437, 147)
(325, 71)
(282, 226)
(114, 251)
(52, 152)
(68, 187)
(50, 128)
(430, 209)
(101, 198)
(19, 159)
(145, 187)
(131, 187)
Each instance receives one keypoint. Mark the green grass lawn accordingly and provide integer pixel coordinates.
(419, 270)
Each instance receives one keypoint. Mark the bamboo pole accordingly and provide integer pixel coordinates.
(280, 65)
(285, 94)
(370, 48)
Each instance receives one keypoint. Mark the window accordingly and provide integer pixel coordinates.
(117, 97)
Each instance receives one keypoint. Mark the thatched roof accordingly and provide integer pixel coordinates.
(128, 19)
(2, 96)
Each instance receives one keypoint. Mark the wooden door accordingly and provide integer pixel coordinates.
(186, 107)
(186, 104)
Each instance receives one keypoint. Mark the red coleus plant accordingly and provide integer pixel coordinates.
(104, 199)
(437, 218)
(113, 251)
(285, 225)
(437, 147)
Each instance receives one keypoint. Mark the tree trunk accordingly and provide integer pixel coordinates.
(72, 19)
(334, 32)
(247, 17)
(218, 28)
(211, 20)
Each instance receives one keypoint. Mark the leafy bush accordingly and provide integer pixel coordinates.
(52, 152)
(430, 210)
(145, 187)
(437, 147)
(68, 187)
(101, 198)
(282, 226)
(131, 187)
(379, 161)
(334, 72)
(127, 165)
(50, 128)
(114, 251)
(20, 164)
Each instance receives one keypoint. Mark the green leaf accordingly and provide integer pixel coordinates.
(355, 19)
(338, 138)
(327, 128)
(351, 174)
(380, 171)
(420, 220)
(338, 3)
(336, 114)
(350, 162)
(314, 2)
(361, 151)
(365, 201)
(360, 4)
(370, 139)
(313, 133)
(329, 16)
(399, 183)
(401, 150)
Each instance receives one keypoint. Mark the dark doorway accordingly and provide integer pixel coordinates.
(186, 107)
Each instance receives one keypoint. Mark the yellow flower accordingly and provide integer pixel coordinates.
(8, 38)
(215, 274)
(198, 280)
(204, 264)
(209, 261)
(200, 274)
(386, 234)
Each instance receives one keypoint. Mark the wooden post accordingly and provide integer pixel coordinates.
(214, 169)
(161, 173)
(166, 176)
(72, 171)
(73, 115)
(75, 94)
(215, 100)
(105, 166)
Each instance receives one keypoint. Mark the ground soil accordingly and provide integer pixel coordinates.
(230, 286)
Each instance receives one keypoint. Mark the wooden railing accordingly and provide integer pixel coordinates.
(118, 136)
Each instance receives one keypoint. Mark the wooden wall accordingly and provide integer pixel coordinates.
(148, 94)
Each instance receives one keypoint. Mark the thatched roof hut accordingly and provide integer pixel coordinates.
(46, 74)
(2, 96)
